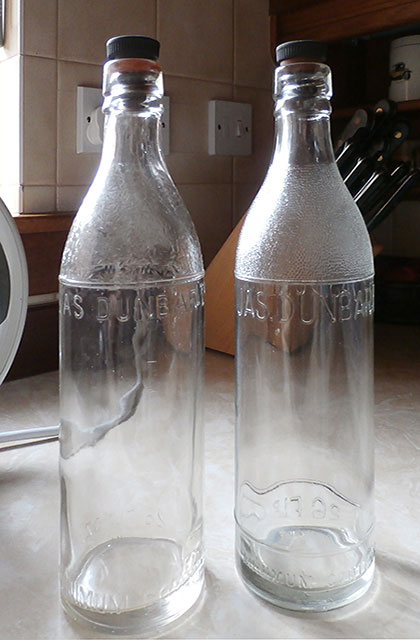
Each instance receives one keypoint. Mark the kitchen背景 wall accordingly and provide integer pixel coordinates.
(209, 50)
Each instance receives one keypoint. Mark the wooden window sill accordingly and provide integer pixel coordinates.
(44, 222)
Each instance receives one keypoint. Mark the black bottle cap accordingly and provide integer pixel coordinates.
(311, 50)
(132, 47)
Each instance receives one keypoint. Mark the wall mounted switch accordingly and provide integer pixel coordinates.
(230, 128)
(90, 121)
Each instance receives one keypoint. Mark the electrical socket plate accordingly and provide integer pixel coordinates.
(164, 126)
(230, 128)
(89, 99)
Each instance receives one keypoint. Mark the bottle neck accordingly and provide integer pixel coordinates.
(131, 139)
(133, 90)
(302, 94)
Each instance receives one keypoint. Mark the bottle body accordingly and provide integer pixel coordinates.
(304, 505)
(131, 451)
(131, 355)
(304, 380)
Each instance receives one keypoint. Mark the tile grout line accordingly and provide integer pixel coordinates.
(232, 195)
(198, 78)
(57, 22)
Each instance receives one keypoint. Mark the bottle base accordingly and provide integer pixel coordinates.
(116, 600)
(285, 581)
(153, 619)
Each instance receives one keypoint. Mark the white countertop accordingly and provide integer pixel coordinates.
(29, 525)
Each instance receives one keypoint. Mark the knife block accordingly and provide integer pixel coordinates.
(220, 296)
(220, 306)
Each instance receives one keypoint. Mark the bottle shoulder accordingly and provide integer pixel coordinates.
(123, 237)
(304, 226)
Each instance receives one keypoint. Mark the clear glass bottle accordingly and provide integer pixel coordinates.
(131, 307)
(304, 404)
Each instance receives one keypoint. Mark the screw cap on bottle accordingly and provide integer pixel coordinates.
(311, 50)
(132, 47)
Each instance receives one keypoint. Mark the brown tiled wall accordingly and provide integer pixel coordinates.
(218, 49)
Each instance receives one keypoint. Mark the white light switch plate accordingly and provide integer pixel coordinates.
(230, 128)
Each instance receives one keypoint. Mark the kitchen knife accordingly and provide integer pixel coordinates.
(407, 183)
(352, 150)
(362, 118)
(376, 155)
(384, 111)
(368, 139)
(362, 170)
(393, 179)
(367, 193)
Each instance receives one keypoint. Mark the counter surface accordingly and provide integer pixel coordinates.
(30, 515)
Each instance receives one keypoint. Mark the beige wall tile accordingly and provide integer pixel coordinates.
(252, 169)
(210, 207)
(12, 197)
(40, 28)
(70, 198)
(12, 46)
(39, 120)
(74, 168)
(254, 65)
(10, 121)
(200, 45)
(38, 199)
(189, 112)
(196, 38)
(199, 168)
(84, 26)
(406, 232)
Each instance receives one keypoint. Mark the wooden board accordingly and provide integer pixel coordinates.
(335, 19)
(220, 296)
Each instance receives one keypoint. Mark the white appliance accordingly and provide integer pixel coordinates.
(13, 290)
(13, 306)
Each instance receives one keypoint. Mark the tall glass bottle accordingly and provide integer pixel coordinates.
(131, 307)
(304, 309)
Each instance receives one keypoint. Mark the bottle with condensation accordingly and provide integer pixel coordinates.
(131, 332)
(304, 374)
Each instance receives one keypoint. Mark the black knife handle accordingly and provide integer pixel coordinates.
(369, 190)
(362, 118)
(384, 111)
(398, 195)
(362, 165)
(351, 151)
(394, 178)
(363, 170)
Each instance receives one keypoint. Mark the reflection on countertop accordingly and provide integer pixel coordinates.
(29, 494)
